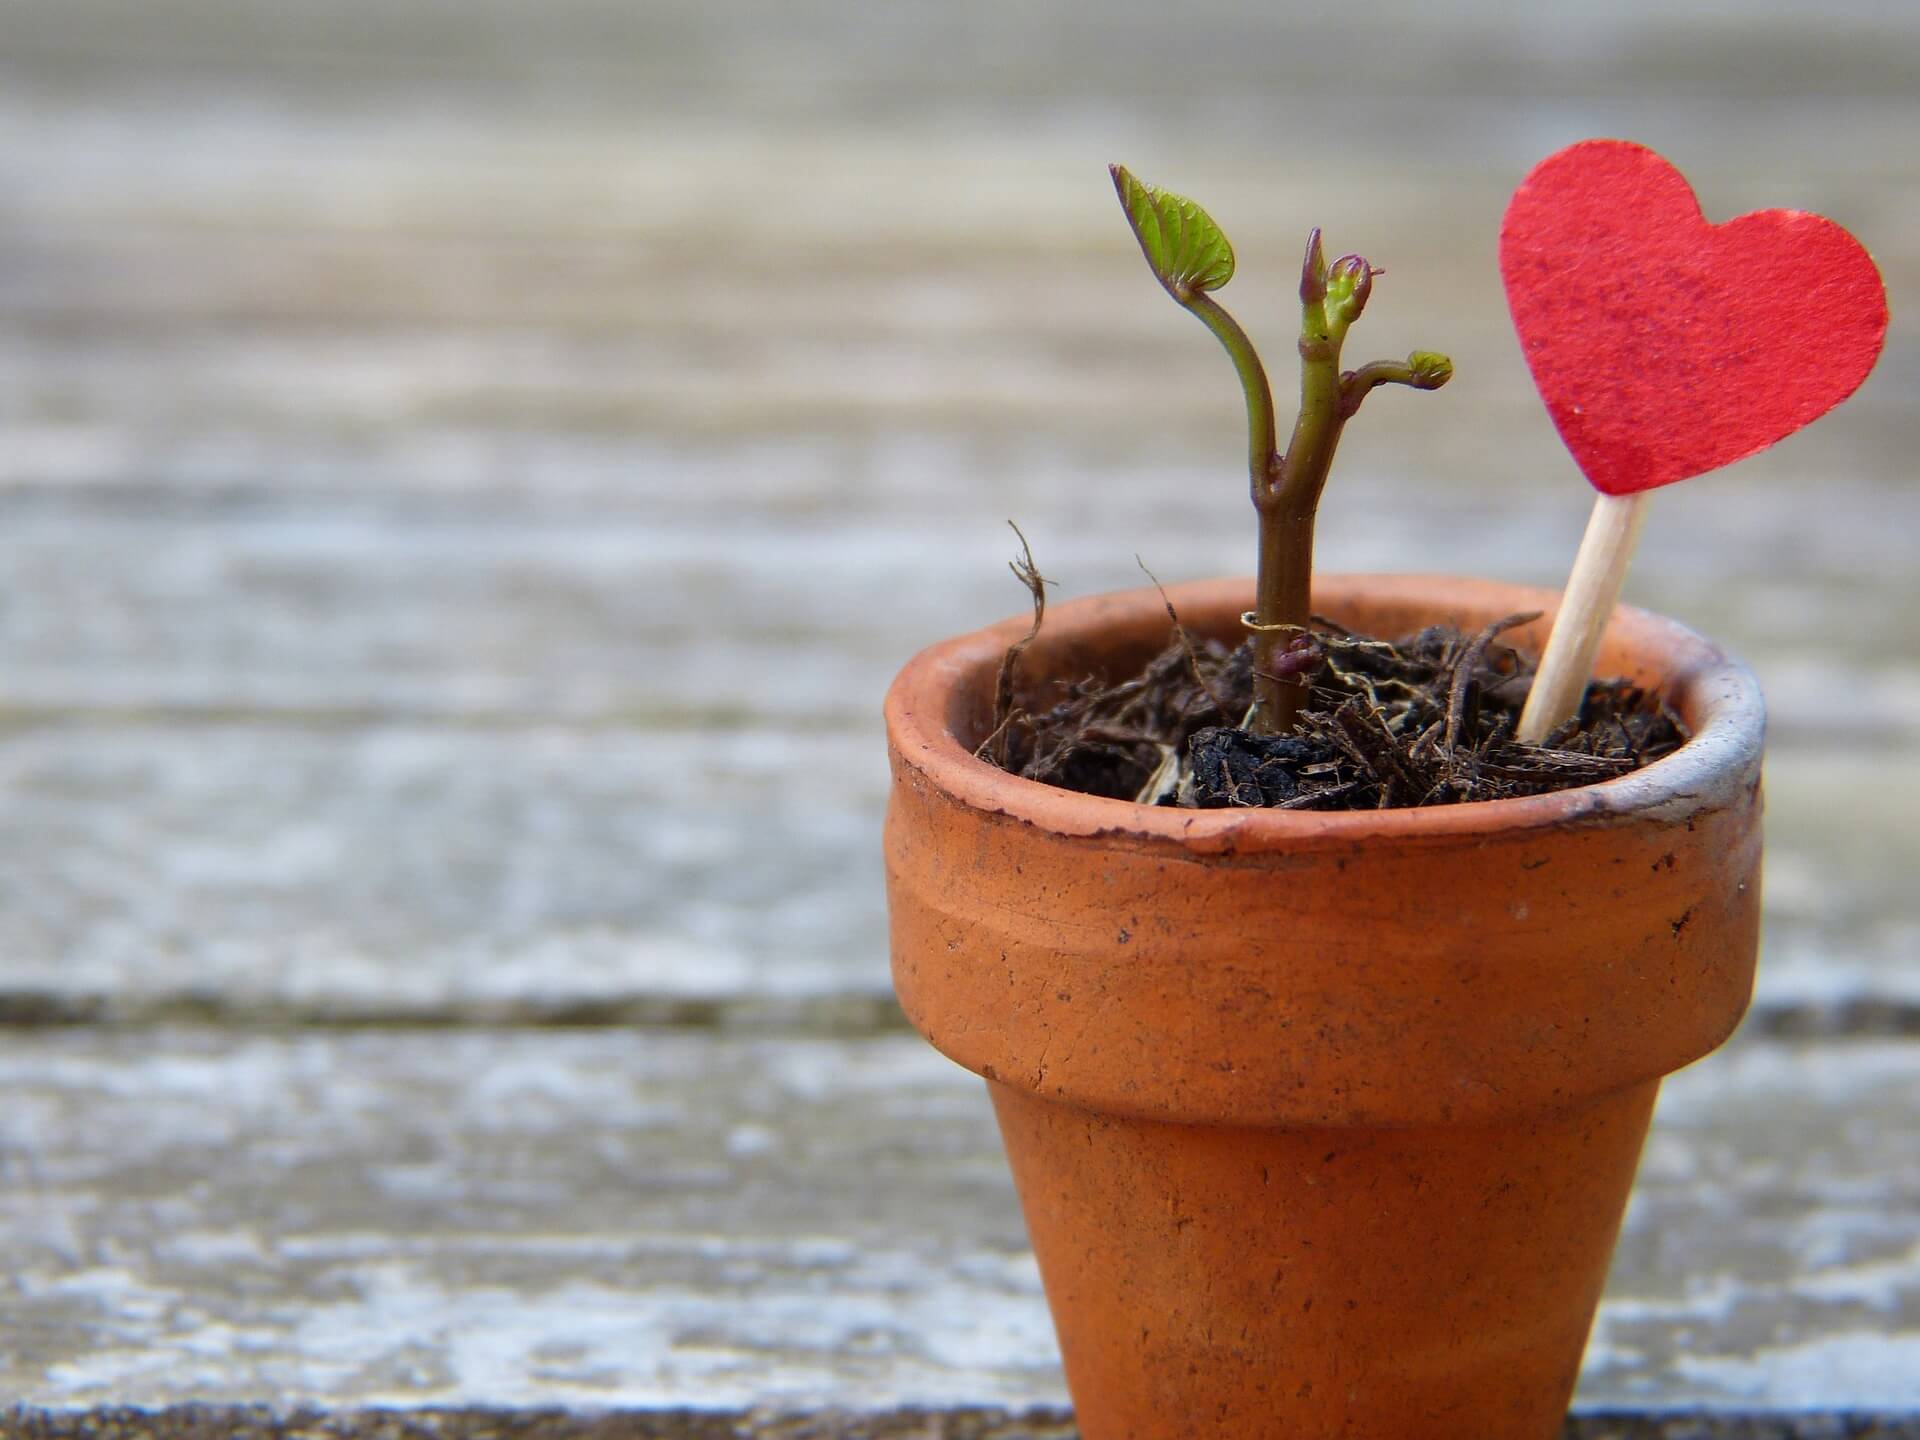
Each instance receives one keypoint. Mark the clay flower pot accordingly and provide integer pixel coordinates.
(1323, 1124)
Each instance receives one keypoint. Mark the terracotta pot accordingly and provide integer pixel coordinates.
(1323, 1124)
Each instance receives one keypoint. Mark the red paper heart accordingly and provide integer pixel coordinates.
(1663, 345)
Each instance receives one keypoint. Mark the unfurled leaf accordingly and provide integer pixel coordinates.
(1182, 244)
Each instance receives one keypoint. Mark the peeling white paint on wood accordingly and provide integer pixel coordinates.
(516, 1218)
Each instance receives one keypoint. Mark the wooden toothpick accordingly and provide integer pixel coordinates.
(1598, 572)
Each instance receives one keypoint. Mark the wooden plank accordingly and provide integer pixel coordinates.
(132, 327)
(222, 1422)
(259, 1422)
(653, 1220)
(518, 610)
(443, 876)
(458, 875)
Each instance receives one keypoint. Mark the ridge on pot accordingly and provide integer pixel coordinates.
(1323, 1123)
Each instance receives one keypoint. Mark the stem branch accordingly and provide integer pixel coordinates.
(1253, 380)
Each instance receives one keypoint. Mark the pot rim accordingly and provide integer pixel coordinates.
(1715, 693)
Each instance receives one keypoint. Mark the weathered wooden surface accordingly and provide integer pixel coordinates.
(657, 1219)
(466, 475)
(275, 873)
(444, 875)
(211, 1422)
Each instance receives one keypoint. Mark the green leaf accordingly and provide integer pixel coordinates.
(1182, 244)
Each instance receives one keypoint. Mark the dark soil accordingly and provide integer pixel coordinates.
(1426, 720)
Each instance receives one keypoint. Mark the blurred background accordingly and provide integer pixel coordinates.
(528, 436)
(469, 470)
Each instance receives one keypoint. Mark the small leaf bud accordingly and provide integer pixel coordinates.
(1430, 370)
(1349, 283)
(1313, 271)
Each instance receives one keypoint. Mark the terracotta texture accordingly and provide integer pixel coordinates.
(1323, 1124)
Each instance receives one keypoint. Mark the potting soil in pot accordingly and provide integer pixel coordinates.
(1427, 720)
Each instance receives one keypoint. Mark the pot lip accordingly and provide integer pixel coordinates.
(1709, 771)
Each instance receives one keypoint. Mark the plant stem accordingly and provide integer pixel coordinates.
(1283, 605)
(1286, 529)
(1253, 380)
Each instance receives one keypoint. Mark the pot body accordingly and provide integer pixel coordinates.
(1296, 1281)
(1323, 1125)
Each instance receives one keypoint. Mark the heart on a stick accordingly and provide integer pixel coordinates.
(1663, 345)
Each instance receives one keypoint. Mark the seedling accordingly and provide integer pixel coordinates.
(1190, 257)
